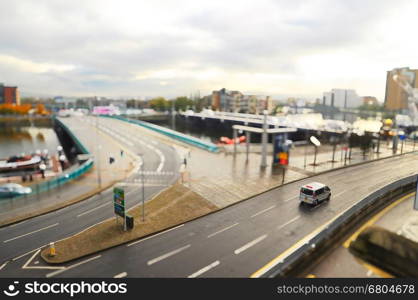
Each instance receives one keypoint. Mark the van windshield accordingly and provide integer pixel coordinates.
(306, 192)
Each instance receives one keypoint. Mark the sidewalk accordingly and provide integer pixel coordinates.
(224, 179)
(12, 210)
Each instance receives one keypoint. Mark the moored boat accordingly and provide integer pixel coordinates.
(19, 163)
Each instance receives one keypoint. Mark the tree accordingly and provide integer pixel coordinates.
(159, 104)
(182, 103)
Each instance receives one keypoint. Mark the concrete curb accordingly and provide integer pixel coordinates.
(56, 207)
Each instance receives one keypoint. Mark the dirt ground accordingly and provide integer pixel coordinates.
(171, 207)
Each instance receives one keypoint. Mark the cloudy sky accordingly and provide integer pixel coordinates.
(171, 48)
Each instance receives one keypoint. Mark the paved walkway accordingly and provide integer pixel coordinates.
(224, 179)
(99, 145)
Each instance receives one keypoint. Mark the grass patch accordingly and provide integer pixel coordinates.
(171, 207)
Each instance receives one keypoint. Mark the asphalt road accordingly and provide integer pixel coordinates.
(25, 236)
(234, 242)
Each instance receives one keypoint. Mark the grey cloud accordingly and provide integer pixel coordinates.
(75, 33)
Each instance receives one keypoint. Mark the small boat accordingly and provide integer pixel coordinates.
(227, 141)
(19, 163)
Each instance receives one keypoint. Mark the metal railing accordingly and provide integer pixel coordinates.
(172, 134)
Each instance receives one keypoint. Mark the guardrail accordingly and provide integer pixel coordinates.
(315, 247)
(172, 134)
(66, 176)
(73, 137)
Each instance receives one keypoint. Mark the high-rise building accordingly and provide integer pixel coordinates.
(235, 101)
(342, 98)
(396, 97)
(9, 94)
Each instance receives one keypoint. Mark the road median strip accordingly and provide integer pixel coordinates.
(171, 207)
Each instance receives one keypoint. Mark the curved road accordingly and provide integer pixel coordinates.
(22, 237)
(236, 241)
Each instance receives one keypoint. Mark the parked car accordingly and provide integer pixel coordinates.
(314, 193)
(13, 189)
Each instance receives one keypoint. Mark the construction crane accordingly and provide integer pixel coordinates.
(403, 79)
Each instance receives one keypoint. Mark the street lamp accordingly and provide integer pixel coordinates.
(316, 143)
(264, 141)
(143, 185)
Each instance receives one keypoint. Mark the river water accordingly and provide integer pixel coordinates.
(26, 136)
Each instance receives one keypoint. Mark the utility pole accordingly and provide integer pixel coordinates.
(264, 142)
(143, 191)
(99, 171)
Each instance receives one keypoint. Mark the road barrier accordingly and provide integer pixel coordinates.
(314, 248)
(172, 134)
(69, 174)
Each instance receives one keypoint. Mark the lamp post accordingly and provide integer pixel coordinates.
(99, 171)
(316, 143)
(264, 141)
(143, 186)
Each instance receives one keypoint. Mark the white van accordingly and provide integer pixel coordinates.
(314, 192)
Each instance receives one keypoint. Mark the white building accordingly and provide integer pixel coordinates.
(342, 98)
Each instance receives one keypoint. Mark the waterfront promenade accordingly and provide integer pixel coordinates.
(102, 147)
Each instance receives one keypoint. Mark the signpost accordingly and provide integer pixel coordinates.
(119, 204)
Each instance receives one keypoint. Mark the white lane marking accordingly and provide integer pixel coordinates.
(30, 259)
(29, 252)
(25, 266)
(222, 230)
(287, 200)
(369, 273)
(203, 270)
(250, 244)
(154, 235)
(20, 236)
(121, 275)
(93, 209)
(263, 211)
(157, 259)
(71, 267)
(335, 196)
(288, 222)
(3, 265)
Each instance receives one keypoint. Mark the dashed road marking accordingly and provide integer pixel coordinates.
(205, 269)
(263, 211)
(121, 275)
(222, 230)
(250, 244)
(160, 258)
(288, 222)
(32, 232)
